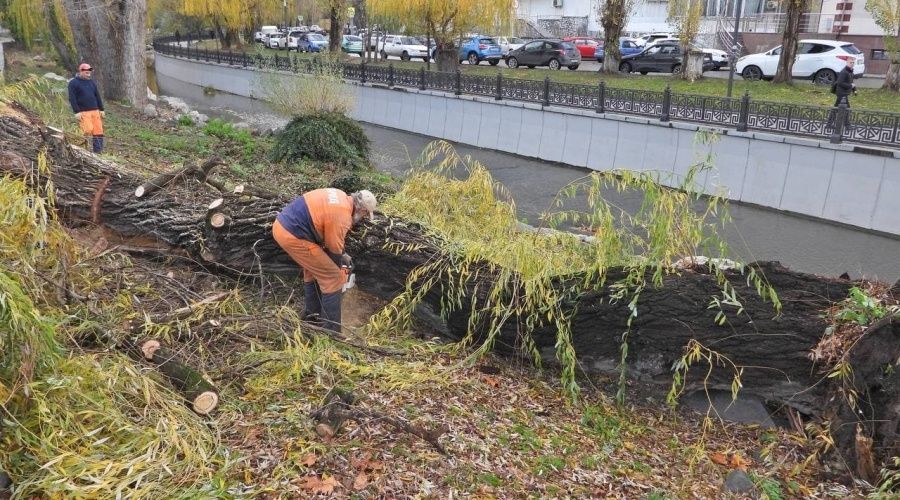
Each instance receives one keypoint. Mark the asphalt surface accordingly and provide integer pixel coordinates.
(755, 233)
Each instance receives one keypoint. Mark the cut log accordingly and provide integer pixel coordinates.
(199, 393)
(333, 412)
(773, 350)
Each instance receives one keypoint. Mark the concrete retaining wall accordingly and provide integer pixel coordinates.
(841, 183)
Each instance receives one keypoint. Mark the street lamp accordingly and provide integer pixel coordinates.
(732, 58)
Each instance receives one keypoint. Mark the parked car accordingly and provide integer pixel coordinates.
(659, 58)
(552, 53)
(293, 38)
(480, 48)
(627, 46)
(508, 44)
(315, 28)
(652, 38)
(818, 60)
(406, 47)
(373, 41)
(719, 58)
(312, 42)
(260, 36)
(586, 45)
(352, 44)
(276, 40)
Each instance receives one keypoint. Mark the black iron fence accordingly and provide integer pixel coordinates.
(743, 114)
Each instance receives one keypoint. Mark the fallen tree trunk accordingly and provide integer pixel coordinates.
(773, 351)
(201, 395)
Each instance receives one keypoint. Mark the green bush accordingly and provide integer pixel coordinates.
(326, 137)
(226, 132)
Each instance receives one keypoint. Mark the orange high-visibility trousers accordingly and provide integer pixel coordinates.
(317, 265)
(91, 123)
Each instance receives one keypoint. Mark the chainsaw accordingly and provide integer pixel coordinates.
(347, 269)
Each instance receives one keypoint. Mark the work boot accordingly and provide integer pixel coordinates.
(331, 311)
(97, 144)
(312, 303)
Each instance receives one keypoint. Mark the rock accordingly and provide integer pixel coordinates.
(5, 481)
(150, 110)
(739, 482)
(53, 76)
(241, 126)
(177, 104)
(199, 118)
(746, 409)
(151, 96)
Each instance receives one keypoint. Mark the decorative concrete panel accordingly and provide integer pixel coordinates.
(766, 173)
(604, 142)
(471, 122)
(553, 137)
(489, 131)
(437, 116)
(577, 141)
(423, 113)
(530, 135)
(887, 210)
(633, 139)
(855, 186)
(454, 121)
(510, 129)
(730, 166)
(808, 178)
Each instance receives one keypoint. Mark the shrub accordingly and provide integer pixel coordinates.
(226, 132)
(327, 137)
(321, 90)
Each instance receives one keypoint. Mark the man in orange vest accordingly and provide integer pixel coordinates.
(312, 230)
(84, 97)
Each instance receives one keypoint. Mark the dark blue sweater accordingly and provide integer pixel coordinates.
(84, 96)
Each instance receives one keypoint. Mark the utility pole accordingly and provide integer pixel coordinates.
(284, 6)
(734, 45)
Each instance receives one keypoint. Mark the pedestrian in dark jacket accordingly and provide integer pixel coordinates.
(843, 87)
(84, 97)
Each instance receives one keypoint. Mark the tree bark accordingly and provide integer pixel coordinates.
(892, 79)
(197, 391)
(692, 66)
(789, 41)
(334, 34)
(68, 57)
(613, 15)
(773, 351)
(109, 35)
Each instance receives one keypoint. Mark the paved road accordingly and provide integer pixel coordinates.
(591, 65)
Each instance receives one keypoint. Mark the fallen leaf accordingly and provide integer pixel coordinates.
(361, 481)
(309, 459)
(318, 485)
(738, 462)
(491, 380)
(718, 458)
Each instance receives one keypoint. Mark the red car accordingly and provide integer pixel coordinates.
(585, 45)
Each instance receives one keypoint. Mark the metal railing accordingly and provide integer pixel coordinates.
(743, 114)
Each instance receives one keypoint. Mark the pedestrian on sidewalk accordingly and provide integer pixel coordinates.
(842, 88)
(312, 229)
(84, 97)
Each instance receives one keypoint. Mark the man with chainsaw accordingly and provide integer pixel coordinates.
(312, 230)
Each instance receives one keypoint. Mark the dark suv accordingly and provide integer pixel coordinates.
(552, 53)
(659, 58)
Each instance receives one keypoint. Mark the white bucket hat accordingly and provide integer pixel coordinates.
(365, 200)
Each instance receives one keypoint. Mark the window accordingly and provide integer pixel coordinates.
(776, 51)
(879, 55)
(487, 41)
(533, 47)
(851, 49)
(652, 50)
(669, 49)
(628, 44)
(818, 48)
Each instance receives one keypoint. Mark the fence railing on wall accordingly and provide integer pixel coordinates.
(743, 114)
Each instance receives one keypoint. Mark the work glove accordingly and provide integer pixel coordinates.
(77, 116)
(103, 114)
(346, 261)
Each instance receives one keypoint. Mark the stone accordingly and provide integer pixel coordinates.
(53, 76)
(241, 126)
(198, 117)
(746, 409)
(151, 96)
(5, 481)
(150, 110)
(177, 104)
(739, 482)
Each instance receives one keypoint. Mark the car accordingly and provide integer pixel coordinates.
(586, 45)
(627, 46)
(659, 58)
(276, 40)
(373, 40)
(293, 38)
(260, 36)
(818, 60)
(352, 44)
(508, 44)
(719, 58)
(552, 53)
(312, 42)
(407, 47)
(480, 48)
(652, 38)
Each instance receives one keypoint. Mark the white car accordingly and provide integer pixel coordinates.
(407, 47)
(276, 41)
(818, 60)
(315, 28)
(260, 36)
(509, 43)
(719, 58)
(292, 38)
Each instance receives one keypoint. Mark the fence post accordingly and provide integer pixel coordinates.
(458, 90)
(391, 75)
(218, 57)
(666, 104)
(362, 73)
(422, 78)
(499, 95)
(546, 100)
(744, 118)
(841, 116)
(601, 97)
(244, 59)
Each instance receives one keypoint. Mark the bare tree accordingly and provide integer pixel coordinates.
(110, 35)
(794, 10)
(685, 16)
(886, 14)
(613, 17)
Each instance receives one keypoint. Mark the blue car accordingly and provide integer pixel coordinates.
(312, 42)
(480, 48)
(627, 46)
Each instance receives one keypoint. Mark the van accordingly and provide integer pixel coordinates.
(260, 36)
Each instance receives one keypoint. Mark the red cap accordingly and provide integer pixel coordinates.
(84, 66)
